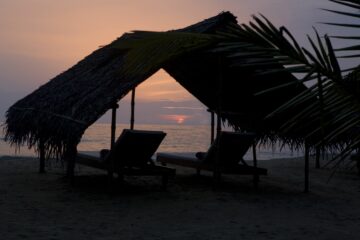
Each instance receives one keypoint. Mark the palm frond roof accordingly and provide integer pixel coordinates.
(59, 112)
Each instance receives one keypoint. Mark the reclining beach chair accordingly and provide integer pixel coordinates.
(131, 155)
(225, 155)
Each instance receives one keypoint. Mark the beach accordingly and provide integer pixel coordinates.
(46, 206)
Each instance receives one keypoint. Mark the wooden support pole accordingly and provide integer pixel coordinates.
(317, 157)
(256, 176)
(212, 138)
(219, 97)
(42, 156)
(254, 154)
(306, 169)
(218, 124)
(113, 125)
(113, 132)
(132, 119)
(217, 173)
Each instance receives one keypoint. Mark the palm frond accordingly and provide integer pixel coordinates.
(353, 5)
(356, 15)
(349, 3)
(325, 123)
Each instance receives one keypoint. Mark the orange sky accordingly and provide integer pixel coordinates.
(41, 38)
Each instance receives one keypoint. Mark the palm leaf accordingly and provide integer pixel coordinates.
(356, 15)
(354, 5)
(260, 44)
(349, 3)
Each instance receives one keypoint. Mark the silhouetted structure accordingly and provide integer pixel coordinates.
(56, 115)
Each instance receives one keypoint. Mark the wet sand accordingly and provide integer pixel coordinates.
(45, 206)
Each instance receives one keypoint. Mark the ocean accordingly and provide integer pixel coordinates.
(181, 139)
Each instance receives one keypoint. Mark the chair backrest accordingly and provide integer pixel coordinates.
(135, 147)
(232, 148)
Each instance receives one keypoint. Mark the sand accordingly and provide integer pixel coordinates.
(45, 206)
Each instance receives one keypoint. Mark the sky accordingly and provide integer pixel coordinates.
(39, 39)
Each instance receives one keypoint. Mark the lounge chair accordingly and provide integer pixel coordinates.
(131, 155)
(225, 155)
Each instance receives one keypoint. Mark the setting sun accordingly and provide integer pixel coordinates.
(179, 119)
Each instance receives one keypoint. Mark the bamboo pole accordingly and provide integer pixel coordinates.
(113, 125)
(217, 173)
(132, 119)
(218, 124)
(256, 176)
(254, 154)
(212, 127)
(111, 167)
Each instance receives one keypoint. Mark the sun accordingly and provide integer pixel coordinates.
(177, 118)
(180, 120)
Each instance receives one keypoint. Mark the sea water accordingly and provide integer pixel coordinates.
(181, 139)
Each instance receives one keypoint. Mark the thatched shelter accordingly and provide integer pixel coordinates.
(57, 114)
